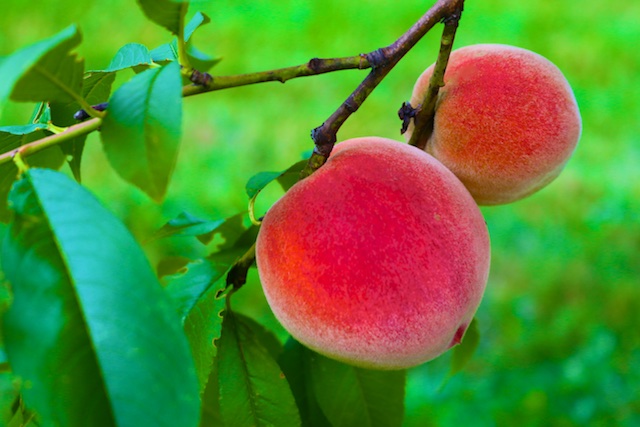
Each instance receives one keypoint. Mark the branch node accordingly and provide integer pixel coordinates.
(324, 140)
(351, 105)
(200, 79)
(364, 61)
(377, 58)
(315, 64)
(82, 115)
(406, 113)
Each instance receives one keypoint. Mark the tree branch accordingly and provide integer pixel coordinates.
(40, 144)
(382, 61)
(313, 67)
(424, 113)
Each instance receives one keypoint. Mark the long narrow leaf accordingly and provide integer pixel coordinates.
(253, 390)
(295, 362)
(203, 326)
(90, 329)
(350, 396)
(141, 132)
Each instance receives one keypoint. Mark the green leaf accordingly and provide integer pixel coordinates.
(350, 396)
(12, 137)
(186, 224)
(129, 56)
(205, 230)
(41, 114)
(295, 362)
(210, 412)
(199, 60)
(199, 293)
(141, 132)
(259, 181)
(252, 388)
(169, 52)
(187, 287)
(166, 13)
(266, 338)
(44, 71)
(200, 298)
(286, 178)
(96, 89)
(165, 52)
(6, 132)
(8, 395)
(464, 351)
(97, 86)
(90, 331)
(292, 175)
(198, 20)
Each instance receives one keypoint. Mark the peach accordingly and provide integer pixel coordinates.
(379, 259)
(506, 121)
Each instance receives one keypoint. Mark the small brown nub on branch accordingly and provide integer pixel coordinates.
(324, 139)
(201, 79)
(406, 113)
(315, 64)
(377, 58)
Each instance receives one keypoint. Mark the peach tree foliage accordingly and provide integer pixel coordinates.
(90, 334)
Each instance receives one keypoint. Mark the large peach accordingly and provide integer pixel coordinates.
(378, 259)
(506, 121)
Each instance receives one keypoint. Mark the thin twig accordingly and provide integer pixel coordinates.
(40, 144)
(314, 67)
(382, 61)
(425, 112)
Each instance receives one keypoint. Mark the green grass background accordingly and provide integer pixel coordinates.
(560, 340)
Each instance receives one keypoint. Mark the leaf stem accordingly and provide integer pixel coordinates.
(252, 214)
(20, 163)
(55, 129)
(183, 59)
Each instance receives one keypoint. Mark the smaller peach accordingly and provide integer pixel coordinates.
(506, 121)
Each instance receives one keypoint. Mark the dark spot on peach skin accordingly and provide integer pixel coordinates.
(457, 337)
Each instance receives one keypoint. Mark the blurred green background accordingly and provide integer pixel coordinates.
(560, 340)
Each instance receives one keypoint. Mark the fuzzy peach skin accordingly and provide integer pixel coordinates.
(379, 259)
(506, 121)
